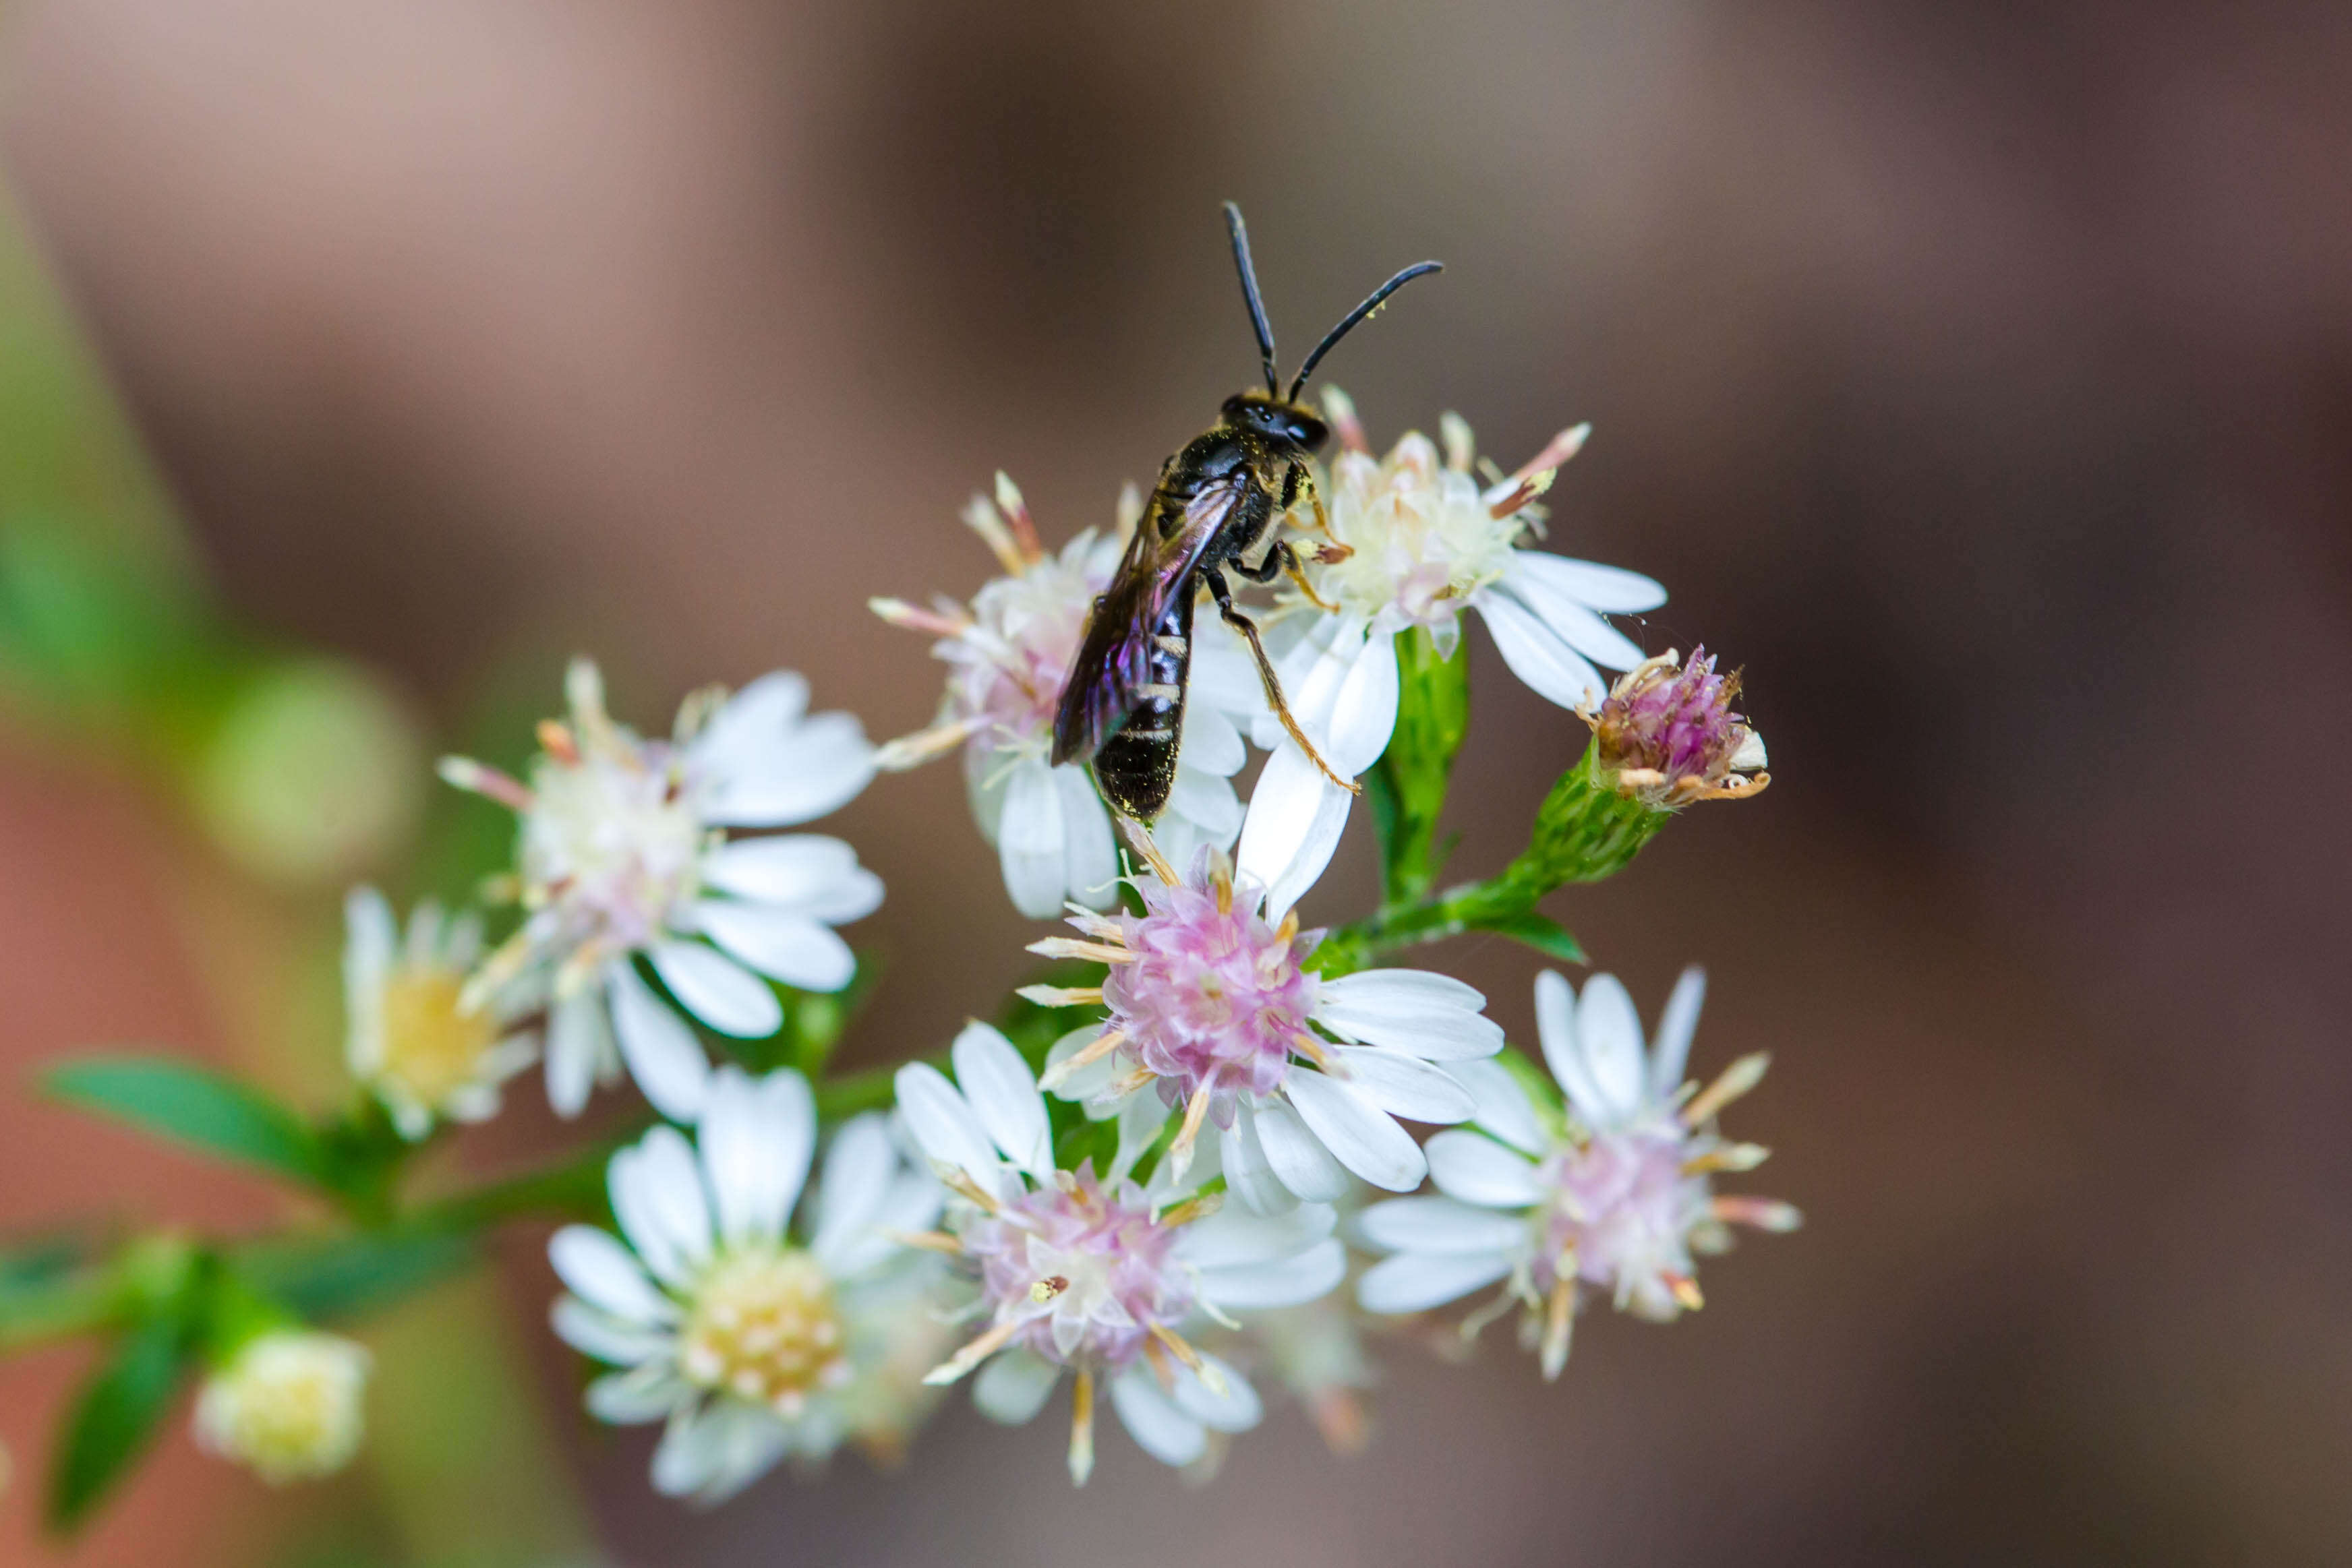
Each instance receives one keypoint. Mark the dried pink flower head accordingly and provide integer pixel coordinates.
(1668, 734)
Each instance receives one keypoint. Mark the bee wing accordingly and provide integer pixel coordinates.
(1115, 660)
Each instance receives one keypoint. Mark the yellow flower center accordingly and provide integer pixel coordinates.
(430, 1048)
(764, 1328)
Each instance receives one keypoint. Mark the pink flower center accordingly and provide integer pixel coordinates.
(1012, 664)
(1085, 1272)
(1624, 1204)
(1681, 724)
(1216, 994)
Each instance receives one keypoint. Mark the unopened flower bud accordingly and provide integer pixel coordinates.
(287, 1405)
(1668, 737)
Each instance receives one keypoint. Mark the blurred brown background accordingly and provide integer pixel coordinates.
(1980, 376)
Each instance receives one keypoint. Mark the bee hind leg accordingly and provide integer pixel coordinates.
(1222, 594)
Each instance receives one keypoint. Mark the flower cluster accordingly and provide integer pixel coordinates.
(1183, 1169)
(624, 853)
(1009, 653)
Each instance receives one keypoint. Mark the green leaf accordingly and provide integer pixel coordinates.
(200, 1109)
(115, 1419)
(349, 1276)
(1540, 932)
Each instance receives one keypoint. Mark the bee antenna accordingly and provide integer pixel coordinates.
(1347, 322)
(1249, 292)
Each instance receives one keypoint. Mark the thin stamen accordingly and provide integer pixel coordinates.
(1179, 1152)
(480, 779)
(1730, 1157)
(1076, 947)
(928, 1240)
(1737, 1079)
(972, 1355)
(1094, 1051)
(1082, 1429)
(1560, 1319)
(1138, 839)
(1684, 1290)
(1060, 996)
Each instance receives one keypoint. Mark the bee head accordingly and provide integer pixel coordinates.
(1280, 419)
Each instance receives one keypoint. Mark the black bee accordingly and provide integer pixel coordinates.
(1123, 705)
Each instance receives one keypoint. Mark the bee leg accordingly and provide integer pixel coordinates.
(1223, 595)
(1284, 559)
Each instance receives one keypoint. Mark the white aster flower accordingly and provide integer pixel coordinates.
(1212, 1007)
(1617, 1204)
(1099, 1276)
(1009, 653)
(750, 1342)
(419, 1052)
(288, 1405)
(1425, 539)
(624, 852)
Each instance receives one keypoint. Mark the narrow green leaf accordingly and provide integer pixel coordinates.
(1540, 932)
(190, 1106)
(115, 1419)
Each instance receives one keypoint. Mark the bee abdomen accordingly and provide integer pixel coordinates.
(1137, 766)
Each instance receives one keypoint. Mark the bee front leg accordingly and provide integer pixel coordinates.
(1223, 594)
(1282, 559)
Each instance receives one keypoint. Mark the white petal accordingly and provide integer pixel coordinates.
(1669, 1053)
(1295, 820)
(1159, 1428)
(1439, 1225)
(1090, 852)
(1211, 744)
(1289, 1282)
(943, 1123)
(858, 1171)
(1141, 1116)
(1359, 1134)
(718, 991)
(1611, 589)
(1235, 1237)
(1475, 1169)
(764, 708)
(1236, 1409)
(1610, 1032)
(1536, 654)
(715, 1452)
(1248, 1175)
(789, 946)
(1297, 1157)
(1003, 1093)
(1422, 1015)
(911, 1203)
(1504, 1108)
(607, 1338)
(579, 1049)
(1207, 801)
(1030, 841)
(1416, 1281)
(1013, 1387)
(1368, 989)
(1364, 713)
(1556, 1028)
(766, 767)
(756, 1139)
(658, 1196)
(1572, 622)
(1402, 1086)
(792, 869)
(642, 1394)
(663, 1055)
(595, 1267)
